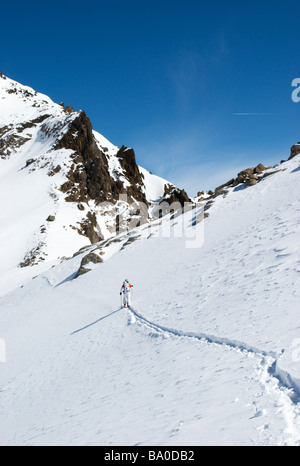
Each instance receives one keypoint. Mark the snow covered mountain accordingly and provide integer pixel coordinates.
(209, 353)
(61, 182)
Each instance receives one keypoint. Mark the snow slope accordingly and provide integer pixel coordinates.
(206, 356)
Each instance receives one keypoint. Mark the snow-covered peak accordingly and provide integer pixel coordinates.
(60, 173)
(22, 103)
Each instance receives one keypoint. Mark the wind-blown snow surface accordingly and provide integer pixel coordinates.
(206, 356)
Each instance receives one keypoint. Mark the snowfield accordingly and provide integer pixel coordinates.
(207, 355)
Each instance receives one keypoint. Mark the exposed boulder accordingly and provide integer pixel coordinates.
(251, 181)
(295, 150)
(247, 172)
(260, 168)
(69, 109)
(249, 176)
(173, 195)
(29, 162)
(89, 258)
(82, 271)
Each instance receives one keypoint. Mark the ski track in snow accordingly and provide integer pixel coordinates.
(272, 377)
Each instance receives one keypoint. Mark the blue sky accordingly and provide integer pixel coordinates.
(168, 78)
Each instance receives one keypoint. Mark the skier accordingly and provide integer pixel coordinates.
(126, 293)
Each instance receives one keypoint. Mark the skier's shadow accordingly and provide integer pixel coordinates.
(96, 322)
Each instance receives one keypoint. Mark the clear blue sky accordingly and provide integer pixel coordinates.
(167, 78)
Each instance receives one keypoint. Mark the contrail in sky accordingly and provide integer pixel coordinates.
(247, 114)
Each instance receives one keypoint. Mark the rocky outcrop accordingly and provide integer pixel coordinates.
(249, 177)
(132, 173)
(68, 109)
(295, 150)
(90, 228)
(89, 258)
(89, 177)
(13, 136)
(173, 194)
(33, 257)
(10, 141)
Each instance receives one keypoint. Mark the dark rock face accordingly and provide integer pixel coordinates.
(173, 195)
(131, 170)
(89, 258)
(90, 229)
(295, 150)
(89, 177)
